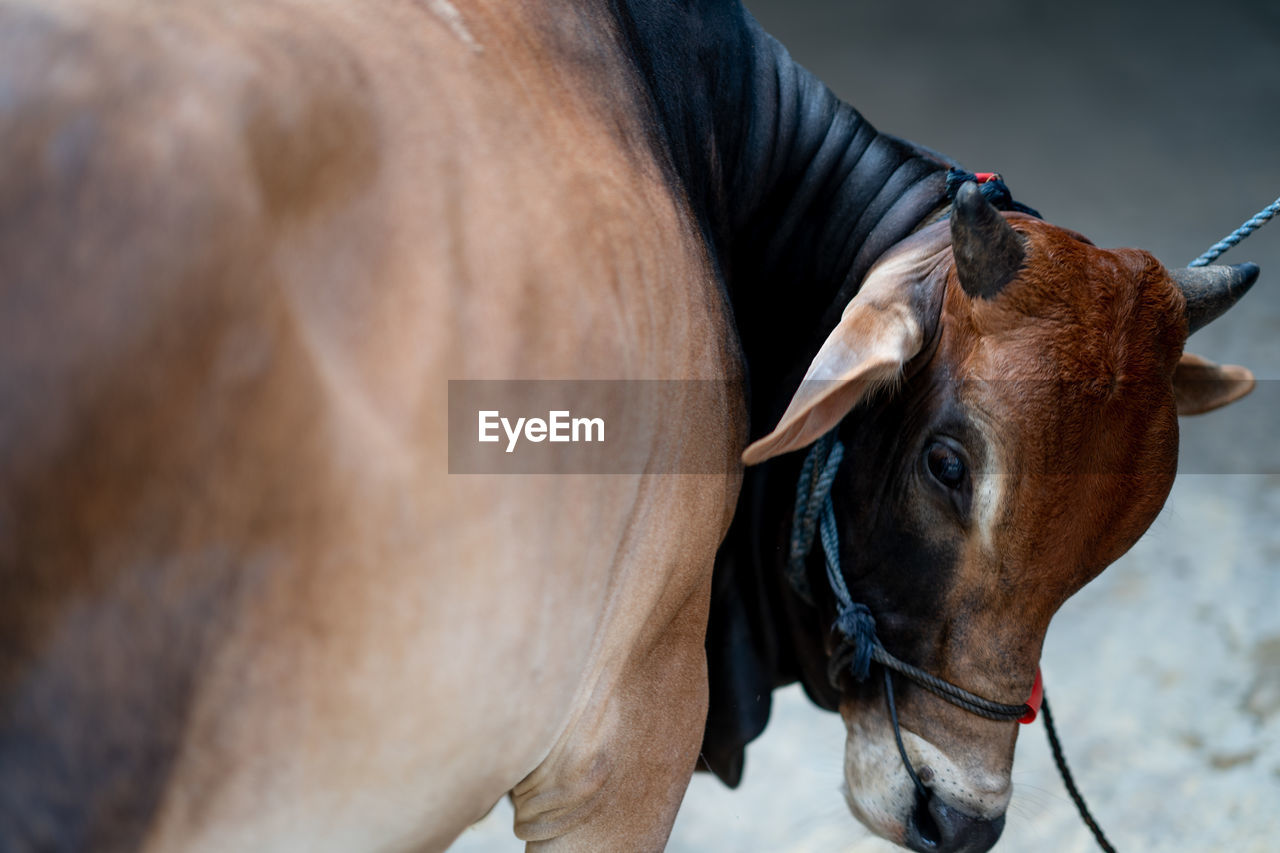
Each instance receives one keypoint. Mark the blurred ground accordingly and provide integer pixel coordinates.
(1151, 125)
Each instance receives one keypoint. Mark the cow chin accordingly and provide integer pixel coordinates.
(967, 801)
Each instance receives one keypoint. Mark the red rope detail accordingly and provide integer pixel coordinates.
(1037, 696)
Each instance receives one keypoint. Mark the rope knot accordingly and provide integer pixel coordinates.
(858, 629)
(993, 189)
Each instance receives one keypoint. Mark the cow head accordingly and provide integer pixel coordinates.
(1007, 394)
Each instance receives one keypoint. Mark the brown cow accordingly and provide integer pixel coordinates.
(243, 248)
(1028, 439)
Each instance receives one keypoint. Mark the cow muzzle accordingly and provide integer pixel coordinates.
(962, 807)
(936, 827)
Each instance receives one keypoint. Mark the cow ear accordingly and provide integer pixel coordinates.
(1201, 386)
(883, 328)
(866, 351)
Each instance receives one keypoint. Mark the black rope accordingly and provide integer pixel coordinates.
(984, 708)
(845, 659)
(971, 702)
(994, 190)
(1061, 760)
(897, 736)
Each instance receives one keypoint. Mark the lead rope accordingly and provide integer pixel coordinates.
(1248, 227)
(1061, 760)
(921, 790)
(860, 647)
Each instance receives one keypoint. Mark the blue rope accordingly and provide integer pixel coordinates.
(805, 517)
(815, 516)
(853, 620)
(1227, 242)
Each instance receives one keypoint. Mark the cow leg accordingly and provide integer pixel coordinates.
(615, 778)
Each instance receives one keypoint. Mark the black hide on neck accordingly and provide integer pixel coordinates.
(796, 195)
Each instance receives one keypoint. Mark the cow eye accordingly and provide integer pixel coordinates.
(945, 464)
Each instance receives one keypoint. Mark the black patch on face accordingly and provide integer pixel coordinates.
(903, 570)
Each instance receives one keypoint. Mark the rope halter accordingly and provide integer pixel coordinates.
(859, 646)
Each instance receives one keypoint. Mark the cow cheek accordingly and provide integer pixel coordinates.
(877, 788)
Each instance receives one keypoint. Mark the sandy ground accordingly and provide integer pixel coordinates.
(1158, 129)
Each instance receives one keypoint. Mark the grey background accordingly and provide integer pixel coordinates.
(1153, 125)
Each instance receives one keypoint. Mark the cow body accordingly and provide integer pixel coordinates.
(244, 249)
(246, 607)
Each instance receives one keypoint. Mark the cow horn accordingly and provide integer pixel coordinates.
(988, 251)
(1211, 290)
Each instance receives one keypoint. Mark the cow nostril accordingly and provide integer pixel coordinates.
(962, 833)
(935, 827)
(923, 832)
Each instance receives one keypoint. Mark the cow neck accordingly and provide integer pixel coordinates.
(796, 196)
(795, 192)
